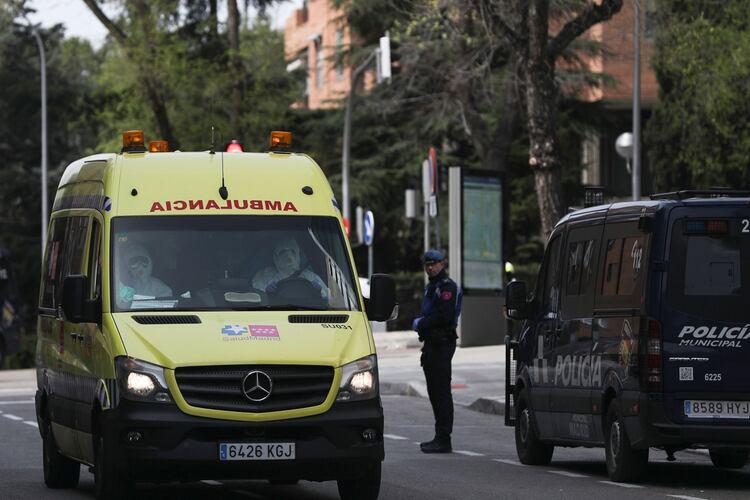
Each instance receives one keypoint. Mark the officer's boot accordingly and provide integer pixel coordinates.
(441, 444)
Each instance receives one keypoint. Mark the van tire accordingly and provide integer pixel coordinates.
(59, 470)
(111, 481)
(728, 459)
(365, 487)
(624, 463)
(530, 450)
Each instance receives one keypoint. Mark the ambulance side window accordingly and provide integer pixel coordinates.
(94, 266)
(51, 268)
(71, 256)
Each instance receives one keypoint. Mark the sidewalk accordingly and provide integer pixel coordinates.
(478, 372)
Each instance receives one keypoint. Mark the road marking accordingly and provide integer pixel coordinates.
(621, 485)
(23, 402)
(29, 422)
(686, 497)
(211, 482)
(567, 474)
(509, 462)
(469, 453)
(395, 436)
(12, 417)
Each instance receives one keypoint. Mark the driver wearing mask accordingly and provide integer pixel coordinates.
(286, 259)
(137, 279)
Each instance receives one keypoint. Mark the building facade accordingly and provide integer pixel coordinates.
(315, 38)
(317, 33)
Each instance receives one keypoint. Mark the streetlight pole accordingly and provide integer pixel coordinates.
(43, 64)
(636, 177)
(346, 146)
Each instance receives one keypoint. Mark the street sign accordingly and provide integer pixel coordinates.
(346, 226)
(369, 228)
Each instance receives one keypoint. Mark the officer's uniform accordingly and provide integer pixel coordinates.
(436, 326)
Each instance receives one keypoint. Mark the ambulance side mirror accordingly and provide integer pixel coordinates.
(516, 306)
(76, 306)
(381, 306)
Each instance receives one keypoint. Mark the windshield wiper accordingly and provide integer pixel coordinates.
(286, 307)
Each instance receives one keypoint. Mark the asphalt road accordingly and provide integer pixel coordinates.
(483, 466)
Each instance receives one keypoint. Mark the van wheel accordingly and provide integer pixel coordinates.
(530, 450)
(365, 487)
(59, 470)
(111, 482)
(624, 463)
(729, 459)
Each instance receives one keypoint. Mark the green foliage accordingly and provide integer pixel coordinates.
(699, 133)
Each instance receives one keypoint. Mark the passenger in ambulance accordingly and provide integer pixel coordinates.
(287, 265)
(136, 277)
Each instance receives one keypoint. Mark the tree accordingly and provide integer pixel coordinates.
(527, 26)
(484, 61)
(699, 133)
(73, 96)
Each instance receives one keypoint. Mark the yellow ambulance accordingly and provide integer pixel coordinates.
(199, 318)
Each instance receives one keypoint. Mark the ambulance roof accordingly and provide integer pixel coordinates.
(188, 183)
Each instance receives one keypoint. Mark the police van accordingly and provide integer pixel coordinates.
(637, 334)
(199, 318)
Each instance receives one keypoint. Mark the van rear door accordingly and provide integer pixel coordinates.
(706, 313)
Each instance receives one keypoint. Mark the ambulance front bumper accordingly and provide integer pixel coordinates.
(337, 444)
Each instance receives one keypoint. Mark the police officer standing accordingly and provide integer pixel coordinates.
(436, 326)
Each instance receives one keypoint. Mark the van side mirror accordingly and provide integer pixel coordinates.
(381, 306)
(76, 306)
(516, 305)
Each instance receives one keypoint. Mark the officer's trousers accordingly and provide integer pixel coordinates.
(436, 363)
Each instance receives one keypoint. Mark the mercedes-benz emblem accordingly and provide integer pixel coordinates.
(256, 386)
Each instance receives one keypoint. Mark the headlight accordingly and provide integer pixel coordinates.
(359, 379)
(142, 381)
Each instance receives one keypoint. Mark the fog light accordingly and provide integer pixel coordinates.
(369, 434)
(134, 436)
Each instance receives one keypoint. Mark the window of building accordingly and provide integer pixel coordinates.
(319, 63)
(339, 62)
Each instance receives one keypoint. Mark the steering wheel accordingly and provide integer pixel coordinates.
(299, 291)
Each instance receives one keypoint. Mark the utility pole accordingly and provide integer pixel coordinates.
(636, 177)
(43, 64)
(346, 146)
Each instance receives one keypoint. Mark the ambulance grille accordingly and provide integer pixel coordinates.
(220, 387)
(318, 318)
(167, 320)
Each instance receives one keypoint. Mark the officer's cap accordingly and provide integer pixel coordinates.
(433, 255)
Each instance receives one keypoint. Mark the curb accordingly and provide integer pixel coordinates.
(488, 405)
(418, 389)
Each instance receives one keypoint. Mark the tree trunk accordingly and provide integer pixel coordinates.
(145, 73)
(541, 106)
(233, 35)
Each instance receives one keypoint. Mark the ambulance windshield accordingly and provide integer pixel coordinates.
(204, 263)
